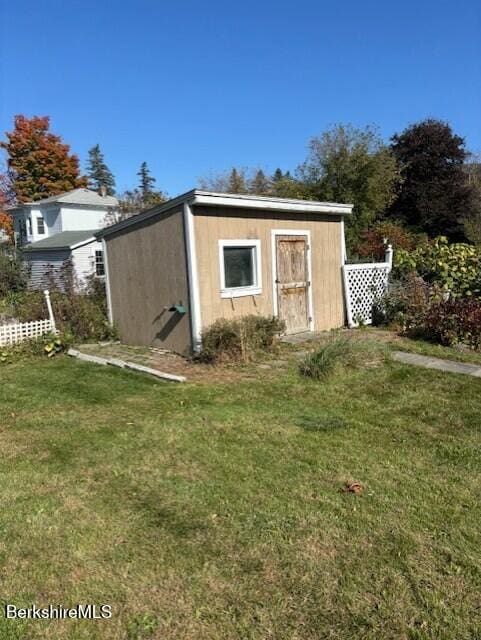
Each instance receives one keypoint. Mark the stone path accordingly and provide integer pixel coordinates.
(438, 363)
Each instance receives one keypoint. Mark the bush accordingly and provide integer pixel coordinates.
(239, 339)
(453, 322)
(454, 267)
(13, 274)
(373, 241)
(406, 303)
(82, 316)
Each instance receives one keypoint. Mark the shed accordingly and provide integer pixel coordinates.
(47, 257)
(173, 270)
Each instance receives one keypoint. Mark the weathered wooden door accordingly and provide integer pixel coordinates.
(292, 282)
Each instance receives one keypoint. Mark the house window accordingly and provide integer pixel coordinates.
(240, 268)
(29, 226)
(40, 226)
(99, 263)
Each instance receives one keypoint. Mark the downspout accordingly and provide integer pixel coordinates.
(193, 278)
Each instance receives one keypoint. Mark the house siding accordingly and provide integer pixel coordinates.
(212, 224)
(82, 218)
(147, 275)
(41, 263)
(84, 260)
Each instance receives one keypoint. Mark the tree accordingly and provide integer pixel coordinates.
(147, 181)
(472, 221)
(39, 163)
(350, 165)
(237, 182)
(259, 184)
(148, 195)
(98, 173)
(434, 195)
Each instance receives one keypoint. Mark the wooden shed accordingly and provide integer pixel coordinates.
(173, 270)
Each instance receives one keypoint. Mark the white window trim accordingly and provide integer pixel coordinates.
(237, 292)
(292, 232)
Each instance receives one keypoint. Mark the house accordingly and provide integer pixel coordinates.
(48, 257)
(60, 227)
(173, 270)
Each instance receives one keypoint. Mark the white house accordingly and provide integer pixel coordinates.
(56, 229)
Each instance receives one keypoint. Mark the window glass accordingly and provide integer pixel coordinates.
(239, 267)
(40, 226)
(99, 263)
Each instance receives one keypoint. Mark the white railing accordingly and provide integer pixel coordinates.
(364, 285)
(15, 333)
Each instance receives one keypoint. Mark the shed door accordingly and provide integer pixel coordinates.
(292, 282)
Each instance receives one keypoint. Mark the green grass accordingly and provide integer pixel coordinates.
(214, 511)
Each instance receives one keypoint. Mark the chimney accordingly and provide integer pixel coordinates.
(103, 191)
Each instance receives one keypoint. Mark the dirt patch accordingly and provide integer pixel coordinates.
(170, 362)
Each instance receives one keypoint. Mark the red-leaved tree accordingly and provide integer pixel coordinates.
(40, 165)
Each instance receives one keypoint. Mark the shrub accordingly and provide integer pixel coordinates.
(373, 241)
(239, 339)
(406, 303)
(454, 267)
(13, 274)
(454, 321)
(83, 316)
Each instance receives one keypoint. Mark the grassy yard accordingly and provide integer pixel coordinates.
(213, 511)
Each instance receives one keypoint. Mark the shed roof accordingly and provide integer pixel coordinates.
(76, 196)
(63, 240)
(240, 201)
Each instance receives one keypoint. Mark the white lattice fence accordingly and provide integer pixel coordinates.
(14, 333)
(364, 285)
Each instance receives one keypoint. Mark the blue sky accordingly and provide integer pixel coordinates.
(195, 87)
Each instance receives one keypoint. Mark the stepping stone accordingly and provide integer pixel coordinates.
(437, 363)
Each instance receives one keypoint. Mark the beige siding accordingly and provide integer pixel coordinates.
(147, 275)
(212, 225)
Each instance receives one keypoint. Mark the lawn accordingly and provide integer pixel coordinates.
(213, 511)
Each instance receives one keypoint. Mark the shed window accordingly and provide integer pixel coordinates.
(240, 267)
(40, 226)
(99, 263)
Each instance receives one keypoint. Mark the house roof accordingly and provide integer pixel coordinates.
(240, 201)
(63, 240)
(76, 196)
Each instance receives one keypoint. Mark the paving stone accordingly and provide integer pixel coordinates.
(438, 363)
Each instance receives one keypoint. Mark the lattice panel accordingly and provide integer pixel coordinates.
(14, 333)
(364, 284)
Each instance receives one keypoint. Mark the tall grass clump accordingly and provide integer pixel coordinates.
(338, 353)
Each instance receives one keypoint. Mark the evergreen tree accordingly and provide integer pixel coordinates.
(98, 173)
(147, 181)
(260, 184)
(278, 175)
(237, 182)
(39, 163)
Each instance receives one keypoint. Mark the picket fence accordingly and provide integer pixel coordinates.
(364, 285)
(15, 333)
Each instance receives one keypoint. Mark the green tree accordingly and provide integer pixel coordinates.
(259, 184)
(434, 195)
(98, 173)
(39, 164)
(149, 196)
(350, 165)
